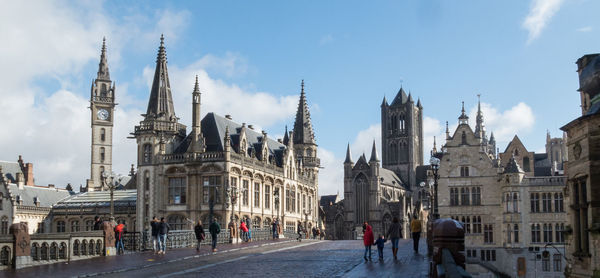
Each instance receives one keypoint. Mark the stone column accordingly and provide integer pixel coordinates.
(109, 238)
(21, 245)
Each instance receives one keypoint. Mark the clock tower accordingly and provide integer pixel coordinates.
(102, 105)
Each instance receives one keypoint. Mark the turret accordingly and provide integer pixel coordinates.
(198, 143)
(348, 164)
(463, 119)
(374, 160)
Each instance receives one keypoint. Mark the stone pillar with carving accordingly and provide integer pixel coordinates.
(109, 238)
(21, 245)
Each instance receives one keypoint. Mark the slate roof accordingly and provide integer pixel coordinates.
(45, 195)
(99, 198)
(388, 177)
(10, 170)
(327, 199)
(400, 98)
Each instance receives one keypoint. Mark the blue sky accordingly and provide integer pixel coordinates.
(519, 55)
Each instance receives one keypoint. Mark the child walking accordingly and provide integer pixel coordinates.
(380, 242)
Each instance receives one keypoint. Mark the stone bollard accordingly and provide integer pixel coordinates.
(21, 245)
(109, 238)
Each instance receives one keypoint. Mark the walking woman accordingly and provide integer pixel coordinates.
(368, 240)
(393, 233)
(199, 231)
(415, 228)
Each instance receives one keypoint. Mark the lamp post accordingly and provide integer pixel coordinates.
(435, 166)
(110, 187)
(276, 197)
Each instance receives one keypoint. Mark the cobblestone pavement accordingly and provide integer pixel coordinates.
(258, 259)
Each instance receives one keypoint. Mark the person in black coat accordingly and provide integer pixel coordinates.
(199, 231)
(154, 225)
(97, 223)
(163, 230)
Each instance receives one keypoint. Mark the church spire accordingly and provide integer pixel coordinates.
(196, 112)
(463, 119)
(479, 127)
(348, 155)
(434, 150)
(303, 130)
(286, 137)
(103, 73)
(160, 105)
(374, 157)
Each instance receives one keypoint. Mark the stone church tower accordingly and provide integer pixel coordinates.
(102, 105)
(402, 136)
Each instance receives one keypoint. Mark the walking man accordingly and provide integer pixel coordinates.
(119, 231)
(299, 231)
(154, 226)
(214, 230)
(274, 229)
(393, 233)
(199, 231)
(163, 231)
(415, 228)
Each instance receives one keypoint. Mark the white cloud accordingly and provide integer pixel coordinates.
(363, 143)
(584, 29)
(505, 124)
(540, 13)
(331, 176)
(326, 39)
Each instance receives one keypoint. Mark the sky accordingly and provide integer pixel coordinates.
(251, 57)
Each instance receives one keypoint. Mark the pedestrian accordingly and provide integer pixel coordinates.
(274, 229)
(318, 234)
(394, 233)
(199, 231)
(249, 226)
(97, 223)
(154, 226)
(299, 231)
(244, 231)
(214, 230)
(314, 232)
(119, 231)
(380, 242)
(368, 240)
(415, 228)
(163, 231)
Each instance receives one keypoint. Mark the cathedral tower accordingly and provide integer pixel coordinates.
(305, 146)
(102, 105)
(402, 136)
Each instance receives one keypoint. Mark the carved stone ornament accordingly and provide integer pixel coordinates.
(577, 150)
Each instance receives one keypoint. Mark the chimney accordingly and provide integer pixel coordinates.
(228, 117)
(50, 185)
(29, 174)
(20, 180)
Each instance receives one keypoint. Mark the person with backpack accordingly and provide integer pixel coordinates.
(199, 231)
(163, 231)
(119, 231)
(394, 233)
(214, 230)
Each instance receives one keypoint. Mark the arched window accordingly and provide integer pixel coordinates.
(362, 199)
(91, 248)
(102, 134)
(516, 233)
(4, 225)
(177, 190)
(84, 247)
(76, 248)
(99, 247)
(5, 255)
(53, 251)
(103, 90)
(44, 251)
(75, 226)
(35, 248)
(102, 154)
(62, 251)
(526, 166)
(508, 233)
(147, 153)
(464, 138)
(60, 226)
(89, 225)
(515, 202)
(146, 181)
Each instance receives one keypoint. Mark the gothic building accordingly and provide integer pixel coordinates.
(102, 106)
(221, 168)
(582, 172)
(509, 205)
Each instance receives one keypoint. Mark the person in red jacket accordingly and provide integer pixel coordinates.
(244, 229)
(368, 240)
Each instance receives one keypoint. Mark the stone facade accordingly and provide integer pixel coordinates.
(582, 171)
(510, 215)
(222, 168)
(102, 106)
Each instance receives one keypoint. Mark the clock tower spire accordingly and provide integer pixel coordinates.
(102, 105)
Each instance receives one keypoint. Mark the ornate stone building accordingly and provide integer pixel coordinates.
(511, 214)
(582, 171)
(221, 167)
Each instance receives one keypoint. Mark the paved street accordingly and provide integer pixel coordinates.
(271, 259)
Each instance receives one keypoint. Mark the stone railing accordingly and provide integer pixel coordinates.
(556, 180)
(160, 125)
(191, 157)
(311, 161)
(21, 249)
(103, 99)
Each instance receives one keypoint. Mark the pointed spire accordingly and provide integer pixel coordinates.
(303, 130)
(160, 105)
(348, 155)
(196, 111)
(447, 131)
(374, 157)
(196, 86)
(410, 99)
(286, 138)
(401, 97)
(492, 139)
(479, 127)
(463, 119)
(103, 73)
(434, 150)
(419, 103)
(384, 102)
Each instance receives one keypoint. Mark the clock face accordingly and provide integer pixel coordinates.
(103, 114)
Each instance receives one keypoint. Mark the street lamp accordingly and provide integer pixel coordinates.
(276, 195)
(112, 188)
(435, 166)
